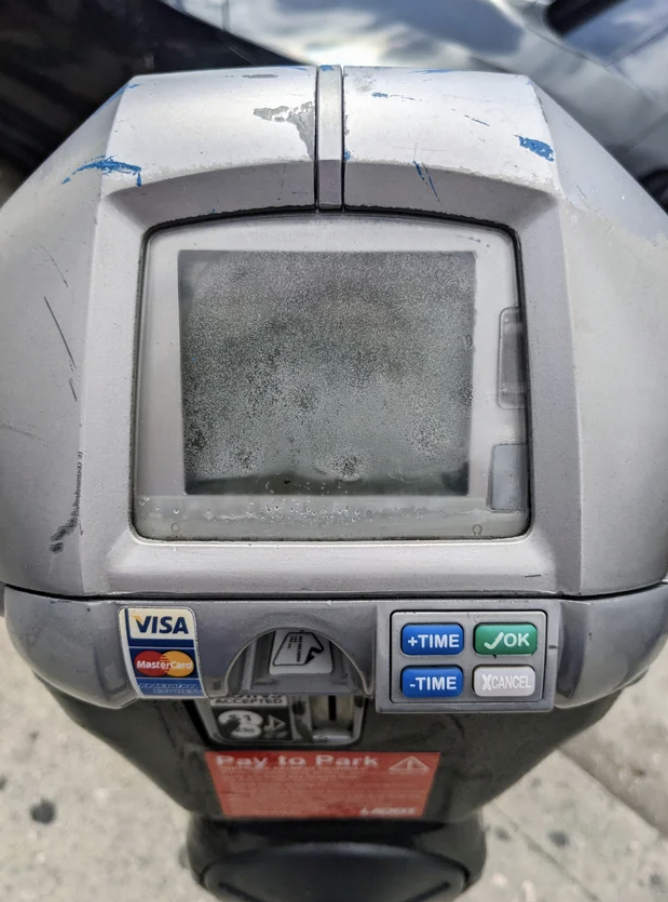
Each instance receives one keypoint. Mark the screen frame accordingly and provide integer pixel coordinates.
(159, 463)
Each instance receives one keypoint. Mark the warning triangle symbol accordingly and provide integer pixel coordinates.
(410, 764)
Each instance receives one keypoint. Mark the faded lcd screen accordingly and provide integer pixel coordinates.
(326, 374)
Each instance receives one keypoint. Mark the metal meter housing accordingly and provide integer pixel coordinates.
(176, 158)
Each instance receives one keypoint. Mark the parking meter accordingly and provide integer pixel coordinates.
(332, 442)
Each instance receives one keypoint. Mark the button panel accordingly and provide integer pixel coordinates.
(468, 659)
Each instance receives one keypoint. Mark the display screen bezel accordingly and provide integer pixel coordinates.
(161, 503)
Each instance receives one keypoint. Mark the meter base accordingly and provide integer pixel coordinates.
(319, 861)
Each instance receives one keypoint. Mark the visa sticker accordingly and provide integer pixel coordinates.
(160, 649)
(160, 623)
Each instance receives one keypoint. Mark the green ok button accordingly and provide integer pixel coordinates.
(506, 639)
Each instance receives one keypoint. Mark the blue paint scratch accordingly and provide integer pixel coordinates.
(119, 93)
(431, 184)
(347, 155)
(303, 68)
(211, 211)
(540, 148)
(327, 68)
(107, 166)
(398, 96)
(422, 171)
(433, 71)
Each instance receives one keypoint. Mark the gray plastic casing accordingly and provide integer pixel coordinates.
(592, 262)
(593, 647)
(593, 258)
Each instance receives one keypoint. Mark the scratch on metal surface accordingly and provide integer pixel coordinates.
(108, 166)
(422, 171)
(302, 117)
(72, 522)
(61, 333)
(23, 432)
(479, 121)
(540, 148)
(73, 391)
(260, 75)
(60, 272)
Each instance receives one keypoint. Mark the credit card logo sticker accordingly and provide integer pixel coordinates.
(160, 646)
(161, 624)
(176, 664)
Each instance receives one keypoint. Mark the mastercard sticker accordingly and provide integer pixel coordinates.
(160, 646)
(164, 663)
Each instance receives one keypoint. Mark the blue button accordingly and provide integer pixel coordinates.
(432, 639)
(432, 682)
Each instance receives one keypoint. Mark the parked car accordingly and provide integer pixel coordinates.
(603, 60)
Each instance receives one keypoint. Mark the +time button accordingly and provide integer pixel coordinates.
(432, 639)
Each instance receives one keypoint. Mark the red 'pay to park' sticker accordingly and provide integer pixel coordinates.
(324, 785)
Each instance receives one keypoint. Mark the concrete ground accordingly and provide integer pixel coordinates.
(78, 823)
